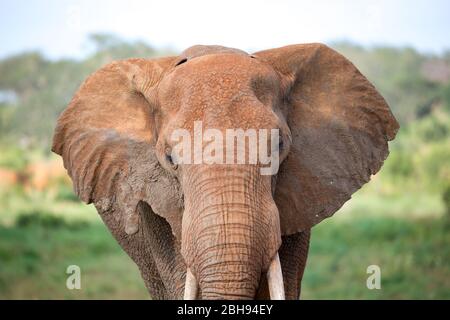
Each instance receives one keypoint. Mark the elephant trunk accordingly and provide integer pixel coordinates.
(230, 230)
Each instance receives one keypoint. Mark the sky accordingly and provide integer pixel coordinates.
(59, 28)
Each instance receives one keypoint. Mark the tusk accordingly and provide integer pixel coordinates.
(191, 287)
(275, 279)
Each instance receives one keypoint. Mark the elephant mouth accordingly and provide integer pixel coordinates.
(274, 280)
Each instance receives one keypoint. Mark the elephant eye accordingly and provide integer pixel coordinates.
(169, 159)
(281, 145)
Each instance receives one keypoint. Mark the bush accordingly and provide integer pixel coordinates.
(434, 167)
(399, 164)
(13, 158)
(46, 220)
(433, 128)
(66, 193)
(446, 199)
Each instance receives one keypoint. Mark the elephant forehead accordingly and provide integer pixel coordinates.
(201, 50)
(218, 75)
(218, 66)
(223, 90)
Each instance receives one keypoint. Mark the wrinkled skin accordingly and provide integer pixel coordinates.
(225, 222)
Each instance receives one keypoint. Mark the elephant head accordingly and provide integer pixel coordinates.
(228, 219)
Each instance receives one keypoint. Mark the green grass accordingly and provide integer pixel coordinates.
(407, 237)
(413, 255)
(37, 250)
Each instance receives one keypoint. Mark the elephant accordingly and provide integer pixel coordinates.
(223, 230)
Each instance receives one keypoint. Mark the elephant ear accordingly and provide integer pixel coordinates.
(105, 137)
(340, 127)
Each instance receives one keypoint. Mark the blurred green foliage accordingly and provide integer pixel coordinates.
(419, 159)
(35, 89)
(65, 193)
(446, 199)
(412, 83)
(13, 157)
(42, 219)
(41, 88)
